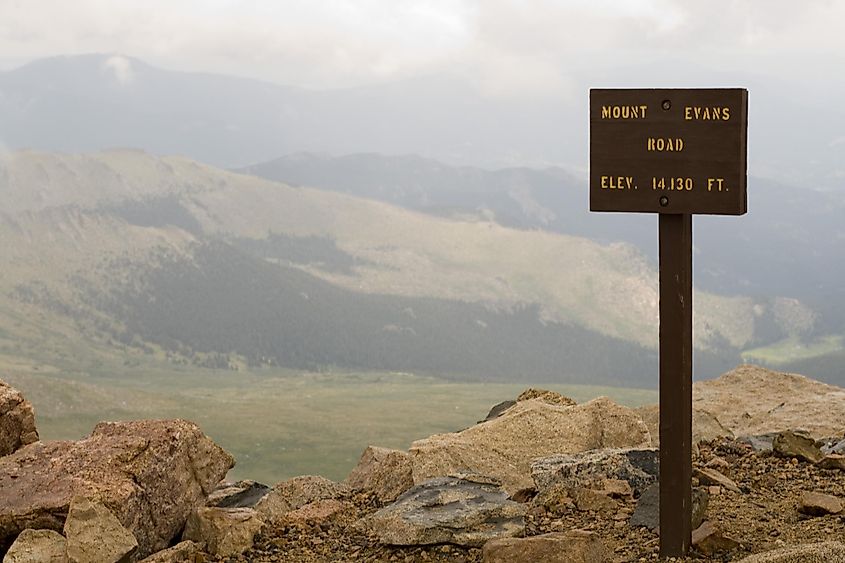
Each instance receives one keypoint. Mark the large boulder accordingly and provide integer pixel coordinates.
(384, 472)
(453, 510)
(751, 401)
(149, 473)
(17, 420)
(505, 446)
(705, 426)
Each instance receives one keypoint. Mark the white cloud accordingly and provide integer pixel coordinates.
(510, 46)
(121, 68)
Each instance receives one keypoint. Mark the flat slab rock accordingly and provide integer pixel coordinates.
(533, 428)
(448, 510)
(639, 467)
(148, 473)
(241, 494)
(818, 504)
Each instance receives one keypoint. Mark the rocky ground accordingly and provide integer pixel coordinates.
(761, 517)
(540, 479)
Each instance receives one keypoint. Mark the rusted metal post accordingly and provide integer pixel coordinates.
(675, 384)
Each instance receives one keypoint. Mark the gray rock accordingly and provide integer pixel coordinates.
(225, 532)
(497, 410)
(825, 552)
(95, 535)
(833, 447)
(760, 442)
(38, 546)
(574, 546)
(791, 444)
(647, 511)
(242, 494)
(448, 510)
(639, 467)
(17, 420)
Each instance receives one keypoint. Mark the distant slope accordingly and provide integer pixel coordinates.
(83, 103)
(224, 305)
(789, 244)
(167, 256)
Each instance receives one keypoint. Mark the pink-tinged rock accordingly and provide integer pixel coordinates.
(149, 473)
(17, 420)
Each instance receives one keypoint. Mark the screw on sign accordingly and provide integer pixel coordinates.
(675, 152)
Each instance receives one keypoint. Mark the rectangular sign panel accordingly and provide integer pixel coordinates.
(668, 150)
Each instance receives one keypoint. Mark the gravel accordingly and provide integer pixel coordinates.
(762, 516)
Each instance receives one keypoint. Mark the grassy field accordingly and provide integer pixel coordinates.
(793, 350)
(278, 424)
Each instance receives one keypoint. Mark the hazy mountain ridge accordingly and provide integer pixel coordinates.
(787, 228)
(94, 225)
(98, 101)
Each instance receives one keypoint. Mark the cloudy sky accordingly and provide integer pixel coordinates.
(336, 43)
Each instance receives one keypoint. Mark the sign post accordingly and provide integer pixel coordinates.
(675, 152)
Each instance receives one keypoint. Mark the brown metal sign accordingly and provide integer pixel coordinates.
(677, 153)
(668, 150)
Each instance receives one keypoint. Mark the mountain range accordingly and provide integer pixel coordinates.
(381, 259)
